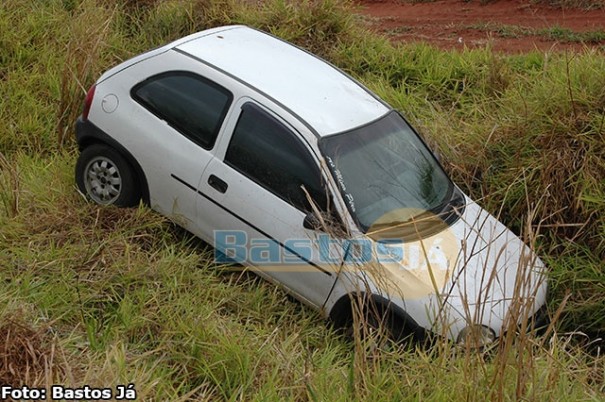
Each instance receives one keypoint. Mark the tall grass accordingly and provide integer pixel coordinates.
(105, 296)
(88, 31)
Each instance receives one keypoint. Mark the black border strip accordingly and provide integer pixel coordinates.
(248, 223)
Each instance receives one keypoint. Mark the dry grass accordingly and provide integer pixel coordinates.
(88, 32)
(28, 356)
(9, 187)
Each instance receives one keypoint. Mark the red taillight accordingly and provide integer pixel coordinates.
(88, 101)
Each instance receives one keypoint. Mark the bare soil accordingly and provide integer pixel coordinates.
(510, 26)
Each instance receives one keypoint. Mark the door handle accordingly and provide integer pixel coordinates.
(217, 183)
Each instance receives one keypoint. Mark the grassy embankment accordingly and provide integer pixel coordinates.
(102, 296)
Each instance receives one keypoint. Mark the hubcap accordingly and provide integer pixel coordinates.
(102, 180)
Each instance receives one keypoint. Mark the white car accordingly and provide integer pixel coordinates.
(289, 166)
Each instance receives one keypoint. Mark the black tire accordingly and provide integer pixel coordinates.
(105, 177)
(382, 321)
(373, 320)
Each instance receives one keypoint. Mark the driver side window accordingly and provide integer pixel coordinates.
(269, 153)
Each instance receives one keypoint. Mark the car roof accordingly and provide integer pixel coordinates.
(325, 98)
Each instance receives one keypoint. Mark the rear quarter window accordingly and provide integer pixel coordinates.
(191, 104)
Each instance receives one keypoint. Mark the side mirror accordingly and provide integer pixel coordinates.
(311, 222)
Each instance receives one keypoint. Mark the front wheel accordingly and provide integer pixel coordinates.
(104, 176)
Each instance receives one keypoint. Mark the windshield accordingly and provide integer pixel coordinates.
(386, 174)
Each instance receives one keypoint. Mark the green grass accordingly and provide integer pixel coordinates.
(567, 35)
(102, 296)
(556, 33)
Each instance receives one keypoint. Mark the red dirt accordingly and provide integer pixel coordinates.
(456, 24)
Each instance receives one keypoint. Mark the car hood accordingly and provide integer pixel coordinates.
(475, 271)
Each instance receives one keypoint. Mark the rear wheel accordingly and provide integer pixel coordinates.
(105, 177)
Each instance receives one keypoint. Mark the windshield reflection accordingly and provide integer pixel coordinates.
(387, 176)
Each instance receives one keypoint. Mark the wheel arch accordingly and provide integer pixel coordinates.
(341, 314)
(88, 134)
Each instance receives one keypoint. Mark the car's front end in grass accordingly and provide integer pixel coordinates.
(471, 282)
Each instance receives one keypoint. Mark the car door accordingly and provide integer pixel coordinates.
(170, 126)
(252, 196)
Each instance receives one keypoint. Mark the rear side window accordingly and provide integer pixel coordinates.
(270, 154)
(193, 105)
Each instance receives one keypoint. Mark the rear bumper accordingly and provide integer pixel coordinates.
(87, 133)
